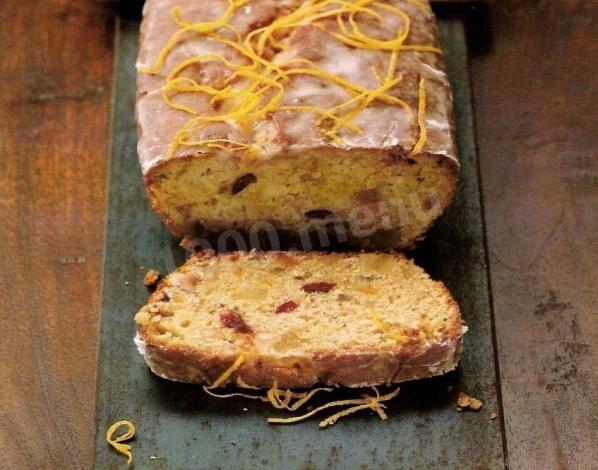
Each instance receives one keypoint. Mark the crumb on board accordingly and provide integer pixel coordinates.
(151, 278)
(464, 401)
(493, 415)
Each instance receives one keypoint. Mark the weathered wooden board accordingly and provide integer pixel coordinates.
(54, 126)
(539, 165)
(178, 426)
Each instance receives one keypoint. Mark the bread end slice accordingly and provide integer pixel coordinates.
(297, 319)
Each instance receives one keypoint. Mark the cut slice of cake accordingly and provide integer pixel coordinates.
(297, 319)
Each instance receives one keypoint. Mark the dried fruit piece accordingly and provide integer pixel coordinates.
(319, 214)
(286, 307)
(412, 335)
(151, 278)
(318, 287)
(165, 313)
(231, 319)
(366, 289)
(242, 182)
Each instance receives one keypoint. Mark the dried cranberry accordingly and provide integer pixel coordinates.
(318, 287)
(286, 307)
(319, 214)
(232, 319)
(242, 182)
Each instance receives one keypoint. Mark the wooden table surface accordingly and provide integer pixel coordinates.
(535, 100)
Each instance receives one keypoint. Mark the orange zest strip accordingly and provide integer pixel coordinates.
(371, 402)
(282, 400)
(227, 373)
(118, 441)
(241, 384)
(421, 119)
(254, 85)
(231, 395)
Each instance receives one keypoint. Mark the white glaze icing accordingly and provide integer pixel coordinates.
(383, 125)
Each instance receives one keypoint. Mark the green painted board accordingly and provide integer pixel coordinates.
(179, 427)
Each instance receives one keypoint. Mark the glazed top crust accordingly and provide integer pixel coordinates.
(384, 126)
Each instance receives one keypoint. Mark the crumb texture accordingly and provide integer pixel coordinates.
(301, 318)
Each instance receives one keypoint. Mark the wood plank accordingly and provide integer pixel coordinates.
(536, 112)
(178, 425)
(54, 110)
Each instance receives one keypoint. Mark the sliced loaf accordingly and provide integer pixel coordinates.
(290, 111)
(350, 319)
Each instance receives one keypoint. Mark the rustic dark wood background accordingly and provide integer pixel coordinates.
(534, 80)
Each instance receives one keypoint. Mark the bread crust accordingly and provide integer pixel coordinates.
(158, 122)
(349, 369)
(352, 367)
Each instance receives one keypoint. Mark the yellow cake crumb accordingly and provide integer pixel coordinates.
(464, 401)
(151, 278)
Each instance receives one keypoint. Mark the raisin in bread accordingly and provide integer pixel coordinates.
(299, 319)
(284, 112)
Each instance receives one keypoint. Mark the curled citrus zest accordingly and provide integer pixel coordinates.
(242, 384)
(371, 402)
(352, 87)
(203, 27)
(282, 399)
(335, 417)
(288, 396)
(279, 399)
(231, 395)
(227, 373)
(254, 85)
(218, 144)
(273, 396)
(421, 119)
(377, 74)
(308, 396)
(117, 442)
(325, 113)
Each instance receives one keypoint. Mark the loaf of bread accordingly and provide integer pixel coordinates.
(293, 114)
(298, 319)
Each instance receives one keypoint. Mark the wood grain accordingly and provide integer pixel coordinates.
(536, 110)
(56, 61)
(535, 104)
